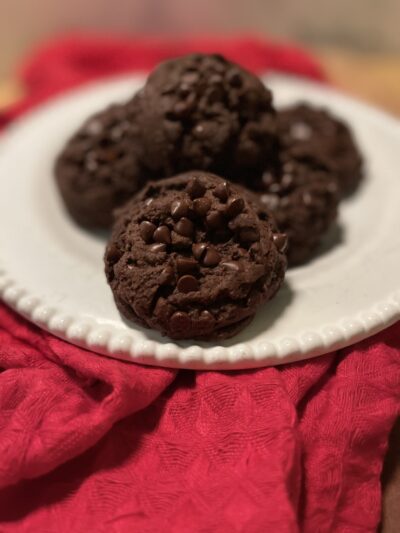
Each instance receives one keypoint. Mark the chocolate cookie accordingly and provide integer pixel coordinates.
(306, 131)
(99, 168)
(193, 257)
(204, 112)
(303, 197)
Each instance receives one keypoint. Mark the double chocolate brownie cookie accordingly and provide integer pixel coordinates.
(99, 168)
(303, 198)
(193, 257)
(306, 131)
(204, 112)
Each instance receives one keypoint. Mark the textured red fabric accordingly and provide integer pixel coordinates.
(71, 61)
(92, 444)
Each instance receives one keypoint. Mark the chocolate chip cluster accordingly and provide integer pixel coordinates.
(201, 257)
(196, 210)
(100, 167)
(308, 132)
(204, 112)
(303, 199)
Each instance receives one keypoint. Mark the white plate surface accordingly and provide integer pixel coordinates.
(51, 271)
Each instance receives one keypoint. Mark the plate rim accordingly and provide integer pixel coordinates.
(108, 340)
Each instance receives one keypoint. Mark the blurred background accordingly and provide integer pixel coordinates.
(358, 39)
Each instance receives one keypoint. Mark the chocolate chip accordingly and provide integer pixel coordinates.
(270, 200)
(267, 179)
(180, 322)
(231, 265)
(190, 77)
(181, 109)
(201, 206)
(200, 131)
(195, 188)
(206, 320)
(184, 89)
(157, 247)
(161, 307)
(184, 227)
(248, 235)
(234, 78)
(289, 167)
(206, 315)
(199, 249)
(147, 230)
(94, 127)
(281, 241)
(186, 265)
(235, 206)
(307, 198)
(275, 188)
(220, 66)
(117, 132)
(215, 79)
(187, 284)
(91, 163)
(301, 131)
(332, 187)
(215, 220)
(221, 191)
(162, 234)
(179, 208)
(113, 253)
(108, 155)
(211, 258)
(166, 276)
(287, 181)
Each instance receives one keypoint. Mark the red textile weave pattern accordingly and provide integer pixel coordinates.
(92, 444)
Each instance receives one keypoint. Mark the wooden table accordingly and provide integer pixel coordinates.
(374, 78)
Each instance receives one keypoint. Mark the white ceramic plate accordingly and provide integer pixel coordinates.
(51, 271)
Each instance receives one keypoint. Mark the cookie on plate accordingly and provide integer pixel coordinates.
(307, 131)
(99, 169)
(193, 257)
(303, 197)
(204, 112)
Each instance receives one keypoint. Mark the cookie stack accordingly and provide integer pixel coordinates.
(210, 192)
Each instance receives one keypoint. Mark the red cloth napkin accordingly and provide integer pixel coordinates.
(92, 444)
